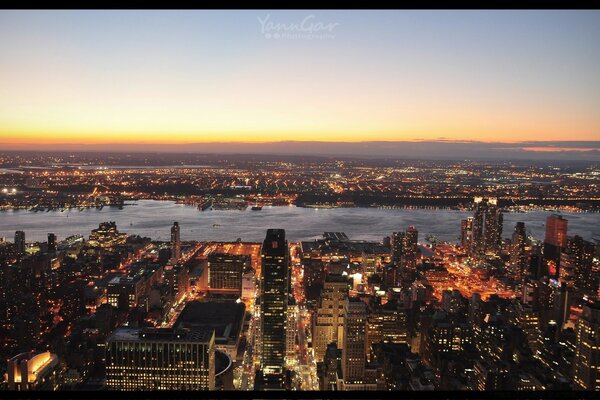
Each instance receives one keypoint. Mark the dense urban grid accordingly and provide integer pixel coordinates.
(495, 311)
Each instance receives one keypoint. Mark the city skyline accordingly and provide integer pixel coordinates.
(330, 202)
(169, 77)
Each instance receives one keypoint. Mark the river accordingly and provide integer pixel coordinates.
(154, 218)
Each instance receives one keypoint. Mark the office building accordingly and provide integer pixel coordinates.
(160, 359)
(354, 340)
(555, 241)
(225, 272)
(329, 321)
(411, 237)
(487, 226)
(518, 254)
(274, 288)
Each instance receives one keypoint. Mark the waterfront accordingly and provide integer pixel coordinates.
(154, 218)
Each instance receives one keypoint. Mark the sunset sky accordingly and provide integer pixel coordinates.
(177, 77)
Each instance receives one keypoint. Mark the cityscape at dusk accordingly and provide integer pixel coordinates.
(302, 201)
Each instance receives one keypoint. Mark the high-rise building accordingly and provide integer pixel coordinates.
(20, 242)
(528, 320)
(161, 359)
(556, 231)
(353, 352)
(51, 243)
(369, 263)
(555, 241)
(404, 248)
(411, 238)
(225, 272)
(489, 374)
(487, 226)
(518, 255)
(397, 247)
(329, 322)
(331, 367)
(274, 288)
(177, 280)
(386, 324)
(587, 349)
(582, 259)
(291, 331)
(466, 233)
(175, 242)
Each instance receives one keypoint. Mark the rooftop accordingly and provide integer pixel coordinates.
(225, 318)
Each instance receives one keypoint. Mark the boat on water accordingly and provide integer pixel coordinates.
(216, 225)
(256, 208)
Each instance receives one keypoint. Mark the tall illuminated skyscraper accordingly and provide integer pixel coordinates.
(175, 242)
(404, 247)
(586, 365)
(556, 231)
(329, 323)
(582, 259)
(487, 226)
(555, 241)
(274, 288)
(466, 233)
(354, 353)
(411, 237)
(518, 255)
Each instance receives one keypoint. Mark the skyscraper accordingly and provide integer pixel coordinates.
(369, 263)
(404, 248)
(20, 242)
(586, 365)
(487, 226)
(161, 359)
(397, 247)
(175, 242)
(554, 242)
(466, 233)
(411, 237)
(51, 243)
(556, 231)
(328, 327)
(353, 352)
(582, 258)
(518, 255)
(274, 288)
